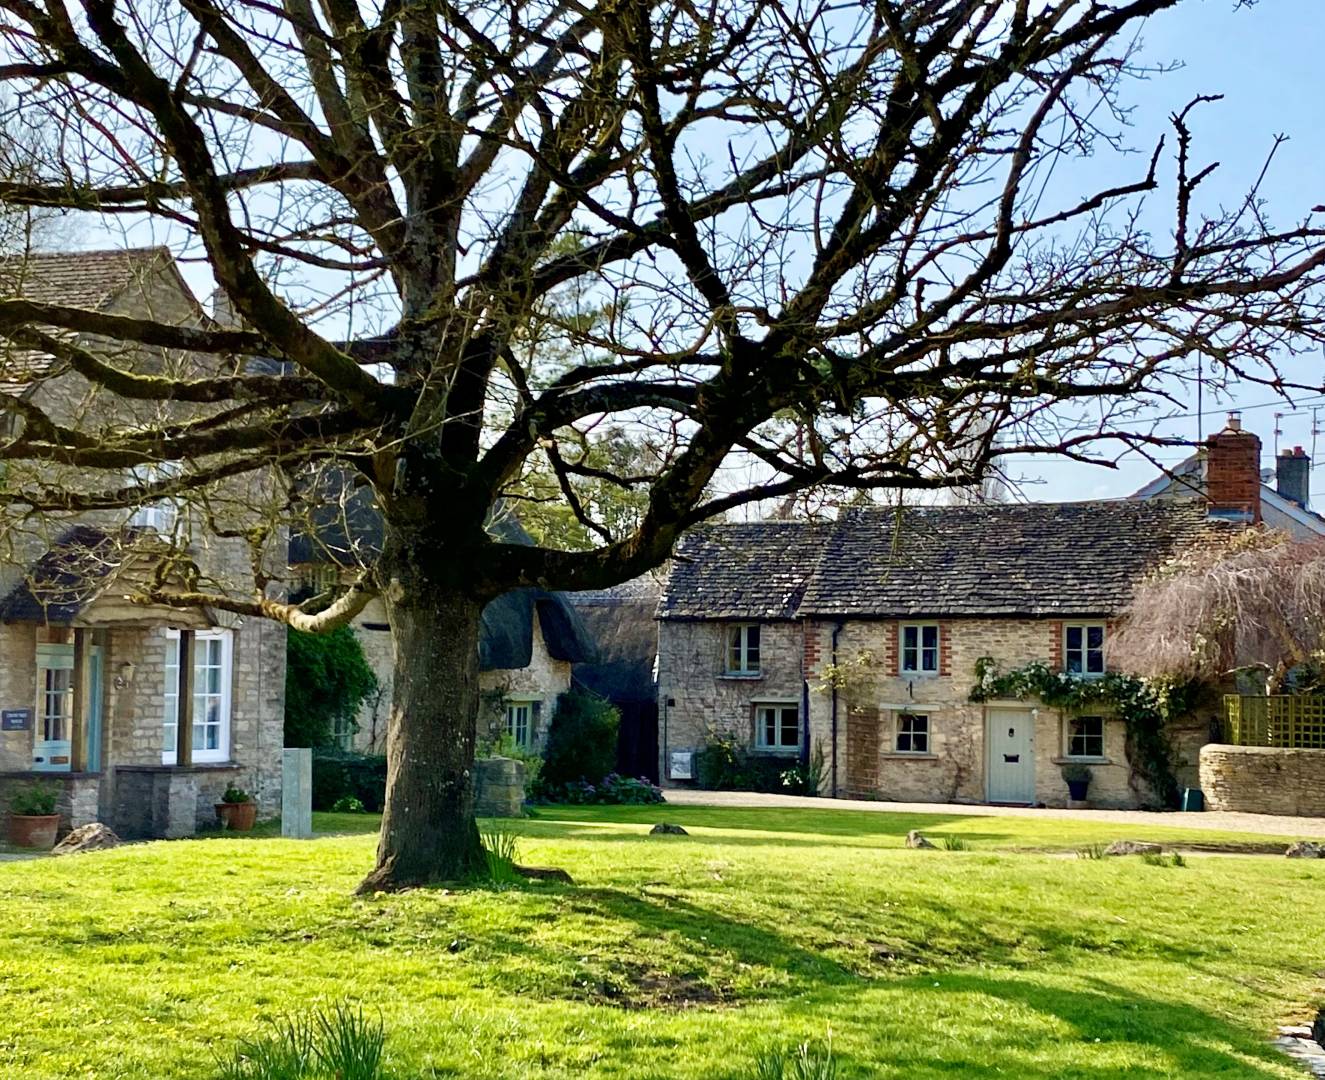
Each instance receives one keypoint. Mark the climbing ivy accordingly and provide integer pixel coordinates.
(1147, 708)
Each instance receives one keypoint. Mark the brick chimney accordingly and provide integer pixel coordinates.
(1233, 472)
(1293, 475)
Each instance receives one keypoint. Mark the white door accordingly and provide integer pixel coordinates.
(51, 750)
(1011, 740)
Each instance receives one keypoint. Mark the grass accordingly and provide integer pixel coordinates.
(675, 958)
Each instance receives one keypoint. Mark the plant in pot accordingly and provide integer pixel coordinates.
(237, 811)
(1077, 777)
(33, 821)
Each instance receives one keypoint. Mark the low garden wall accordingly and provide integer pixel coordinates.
(1263, 780)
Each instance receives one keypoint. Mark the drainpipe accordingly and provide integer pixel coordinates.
(837, 629)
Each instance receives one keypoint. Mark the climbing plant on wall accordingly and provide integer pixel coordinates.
(1147, 708)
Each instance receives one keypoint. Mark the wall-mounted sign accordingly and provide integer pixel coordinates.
(15, 719)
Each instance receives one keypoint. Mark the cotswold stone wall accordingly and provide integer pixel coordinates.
(698, 700)
(1263, 780)
(872, 691)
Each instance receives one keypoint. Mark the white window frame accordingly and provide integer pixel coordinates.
(1068, 735)
(761, 735)
(919, 649)
(1084, 650)
(898, 734)
(511, 727)
(160, 516)
(738, 649)
(220, 753)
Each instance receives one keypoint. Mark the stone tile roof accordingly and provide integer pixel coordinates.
(58, 585)
(1038, 559)
(81, 279)
(757, 571)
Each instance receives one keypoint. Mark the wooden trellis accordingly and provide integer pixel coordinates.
(1292, 721)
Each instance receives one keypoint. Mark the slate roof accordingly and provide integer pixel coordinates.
(1037, 559)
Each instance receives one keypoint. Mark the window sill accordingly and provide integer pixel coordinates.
(921, 675)
(907, 755)
(742, 676)
(1061, 760)
(768, 751)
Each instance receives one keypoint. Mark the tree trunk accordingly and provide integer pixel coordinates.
(428, 830)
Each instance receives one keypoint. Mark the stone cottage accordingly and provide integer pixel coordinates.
(529, 642)
(93, 695)
(859, 638)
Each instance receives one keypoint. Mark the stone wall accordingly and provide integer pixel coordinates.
(1263, 780)
(698, 700)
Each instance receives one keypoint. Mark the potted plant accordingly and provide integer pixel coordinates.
(237, 811)
(1078, 781)
(33, 821)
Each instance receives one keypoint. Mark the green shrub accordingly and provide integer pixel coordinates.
(234, 795)
(612, 790)
(37, 799)
(727, 765)
(348, 804)
(338, 1043)
(326, 680)
(581, 743)
(339, 774)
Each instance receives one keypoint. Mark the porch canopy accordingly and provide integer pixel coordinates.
(90, 579)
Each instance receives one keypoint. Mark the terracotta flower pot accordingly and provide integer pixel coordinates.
(237, 816)
(33, 830)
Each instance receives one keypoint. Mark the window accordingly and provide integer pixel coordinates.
(343, 730)
(778, 728)
(521, 717)
(920, 648)
(57, 704)
(743, 649)
(159, 517)
(211, 696)
(1083, 649)
(1085, 737)
(912, 733)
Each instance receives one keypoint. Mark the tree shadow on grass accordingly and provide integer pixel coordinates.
(1180, 1039)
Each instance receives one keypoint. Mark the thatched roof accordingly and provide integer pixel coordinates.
(621, 620)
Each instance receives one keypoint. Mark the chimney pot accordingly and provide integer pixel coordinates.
(1234, 421)
(1292, 476)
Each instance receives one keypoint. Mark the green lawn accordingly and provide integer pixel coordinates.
(676, 957)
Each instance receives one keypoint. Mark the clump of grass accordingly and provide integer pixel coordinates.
(1152, 858)
(500, 851)
(808, 1061)
(1091, 851)
(338, 1043)
(953, 843)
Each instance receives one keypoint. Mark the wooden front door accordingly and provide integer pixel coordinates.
(1010, 737)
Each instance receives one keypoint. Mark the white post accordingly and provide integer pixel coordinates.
(297, 792)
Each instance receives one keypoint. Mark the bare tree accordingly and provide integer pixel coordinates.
(1255, 601)
(822, 237)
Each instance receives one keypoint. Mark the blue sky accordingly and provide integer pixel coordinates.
(1269, 62)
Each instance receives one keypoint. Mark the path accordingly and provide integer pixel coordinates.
(1214, 820)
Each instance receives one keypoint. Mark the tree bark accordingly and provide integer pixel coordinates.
(428, 830)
